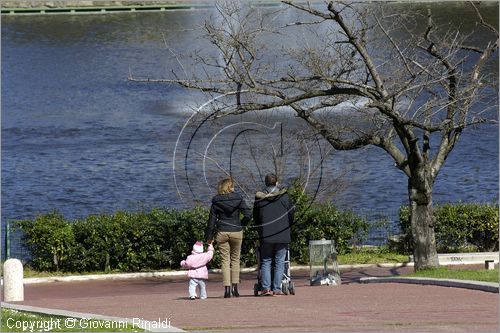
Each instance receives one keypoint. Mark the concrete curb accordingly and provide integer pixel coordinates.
(101, 277)
(118, 276)
(465, 258)
(126, 276)
(144, 324)
(475, 285)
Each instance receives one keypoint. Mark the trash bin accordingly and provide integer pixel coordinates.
(323, 265)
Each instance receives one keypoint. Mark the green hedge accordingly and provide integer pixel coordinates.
(314, 221)
(51, 240)
(123, 241)
(161, 238)
(459, 227)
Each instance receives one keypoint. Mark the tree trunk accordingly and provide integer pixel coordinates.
(422, 223)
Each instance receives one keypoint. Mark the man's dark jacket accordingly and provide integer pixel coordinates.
(273, 214)
(225, 214)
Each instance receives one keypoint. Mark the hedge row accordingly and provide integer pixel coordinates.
(124, 241)
(459, 228)
(161, 238)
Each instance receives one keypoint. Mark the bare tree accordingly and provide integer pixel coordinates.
(358, 74)
(247, 150)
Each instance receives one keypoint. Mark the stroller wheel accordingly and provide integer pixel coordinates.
(284, 288)
(291, 288)
(256, 289)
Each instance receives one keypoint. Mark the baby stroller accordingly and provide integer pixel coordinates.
(287, 286)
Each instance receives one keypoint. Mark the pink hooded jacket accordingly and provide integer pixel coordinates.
(197, 263)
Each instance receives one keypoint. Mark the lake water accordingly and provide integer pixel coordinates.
(78, 137)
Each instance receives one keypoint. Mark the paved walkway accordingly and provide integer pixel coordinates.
(350, 307)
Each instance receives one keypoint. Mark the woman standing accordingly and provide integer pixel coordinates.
(225, 220)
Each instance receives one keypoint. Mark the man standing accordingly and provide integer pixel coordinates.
(273, 214)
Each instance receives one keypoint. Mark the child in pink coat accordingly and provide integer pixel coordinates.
(196, 263)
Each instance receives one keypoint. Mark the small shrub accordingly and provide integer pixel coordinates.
(51, 240)
(459, 227)
(315, 221)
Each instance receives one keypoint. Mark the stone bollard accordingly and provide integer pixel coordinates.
(13, 288)
(489, 264)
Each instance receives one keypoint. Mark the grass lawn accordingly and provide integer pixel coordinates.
(459, 274)
(21, 321)
(371, 257)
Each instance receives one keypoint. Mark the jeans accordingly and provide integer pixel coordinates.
(192, 288)
(270, 252)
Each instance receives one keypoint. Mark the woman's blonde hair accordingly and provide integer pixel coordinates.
(225, 186)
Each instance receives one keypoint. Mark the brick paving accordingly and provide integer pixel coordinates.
(352, 307)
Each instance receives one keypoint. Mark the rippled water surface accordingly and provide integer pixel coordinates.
(80, 138)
